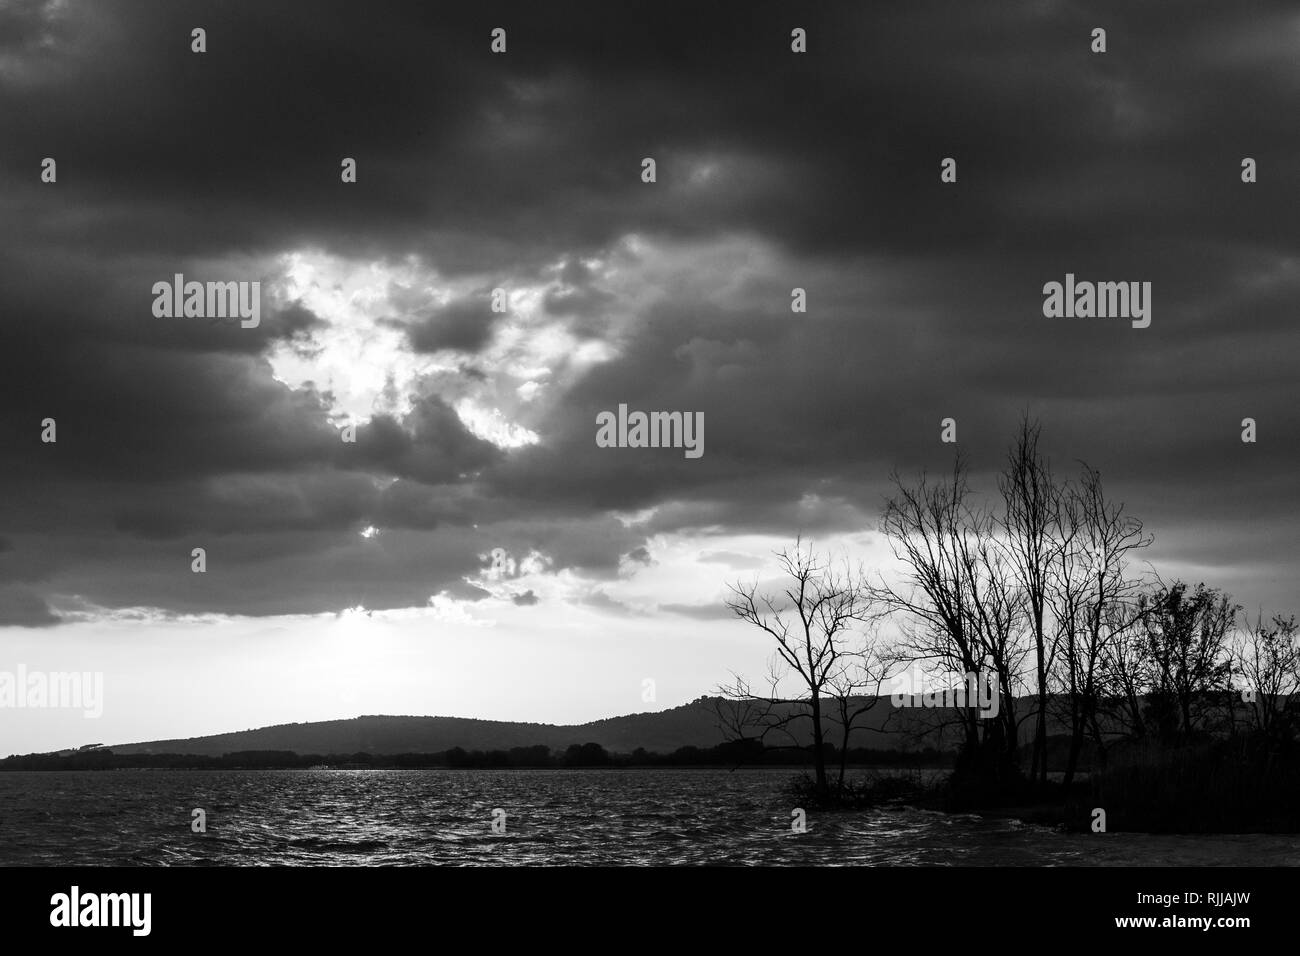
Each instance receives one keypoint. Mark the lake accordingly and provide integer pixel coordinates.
(552, 817)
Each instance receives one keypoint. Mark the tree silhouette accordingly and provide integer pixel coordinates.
(810, 620)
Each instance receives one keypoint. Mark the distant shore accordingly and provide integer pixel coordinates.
(589, 755)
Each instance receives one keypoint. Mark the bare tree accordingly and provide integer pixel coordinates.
(1091, 596)
(958, 605)
(811, 623)
(1030, 518)
(1267, 656)
(999, 604)
(1122, 672)
(855, 691)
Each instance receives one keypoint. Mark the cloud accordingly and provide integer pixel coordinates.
(476, 429)
(732, 559)
(714, 611)
(21, 607)
(464, 326)
(601, 601)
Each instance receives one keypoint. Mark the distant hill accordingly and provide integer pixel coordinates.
(691, 725)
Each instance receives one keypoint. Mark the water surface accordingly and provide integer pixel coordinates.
(553, 817)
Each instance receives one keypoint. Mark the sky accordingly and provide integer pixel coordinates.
(359, 578)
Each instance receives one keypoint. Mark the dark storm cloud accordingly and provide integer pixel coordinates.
(32, 28)
(480, 157)
(924, 298)
(579, 298)
(255, 503)
(23, 607)
(432, 445)
(465, 326)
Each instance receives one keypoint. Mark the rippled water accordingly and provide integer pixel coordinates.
(333, 817)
